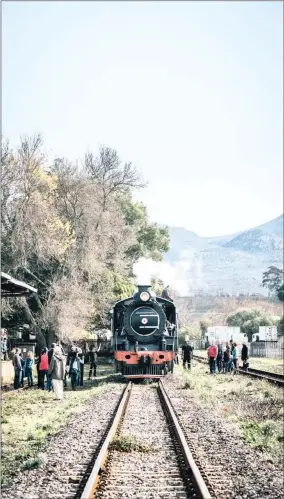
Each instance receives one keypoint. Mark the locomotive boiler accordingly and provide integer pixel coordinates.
(145, 335)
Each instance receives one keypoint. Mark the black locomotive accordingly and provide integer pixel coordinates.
(145, 335)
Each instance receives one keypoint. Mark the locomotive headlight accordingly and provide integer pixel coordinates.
(144, 296)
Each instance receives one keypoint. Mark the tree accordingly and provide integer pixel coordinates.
(281, 326)
(272, 278)
(157, 286)
(151, 240)
(204, 324)
(250, 320)
(280, 293)
(73, 232)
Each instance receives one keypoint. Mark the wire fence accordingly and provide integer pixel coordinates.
(272, 349)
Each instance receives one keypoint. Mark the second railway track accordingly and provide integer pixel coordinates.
(277, 379)
(160, 465)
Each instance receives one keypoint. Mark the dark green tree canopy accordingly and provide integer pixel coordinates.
(250, 320)
(272, 278)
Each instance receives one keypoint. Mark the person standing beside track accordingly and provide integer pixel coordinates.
(226, 357)
(29, 368)
(245, 356)
(43, 367)
(187, 353)
(50, 355)
(93, 362)
(23, 369)
(17, 369)
(212, 356)
(220, 357)
(74, 370)
(56, 372)
(235, 354)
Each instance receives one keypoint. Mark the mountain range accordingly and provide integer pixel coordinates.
(227, 264)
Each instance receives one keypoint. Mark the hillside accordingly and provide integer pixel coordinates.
(230, 263)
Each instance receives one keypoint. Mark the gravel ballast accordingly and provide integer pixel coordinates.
(66, 456)
(233, 469)
(153, 472)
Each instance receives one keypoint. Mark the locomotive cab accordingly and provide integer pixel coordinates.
(145, 335)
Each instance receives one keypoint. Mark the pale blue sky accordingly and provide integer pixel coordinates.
(189, 92)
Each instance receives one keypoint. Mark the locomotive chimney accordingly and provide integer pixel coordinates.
(144, 287)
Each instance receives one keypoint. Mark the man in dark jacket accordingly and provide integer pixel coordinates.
(187, 353)
(50, 352)
(50, 355)
(17, 369)
(93, 362)
(244, 356)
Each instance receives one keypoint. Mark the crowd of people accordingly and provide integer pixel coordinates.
(53, 368)
(226, 359)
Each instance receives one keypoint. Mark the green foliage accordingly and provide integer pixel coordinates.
(192, 332)
(73, 233)
(123, 287)
(151, 240)
(280, 293)
(157, 285)
(262, 435)
(281, 327)
(272, 278)
(250, 320)
(204, 324)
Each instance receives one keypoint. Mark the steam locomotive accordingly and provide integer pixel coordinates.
(145, 335)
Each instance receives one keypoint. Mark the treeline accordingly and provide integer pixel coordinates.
(74, 232)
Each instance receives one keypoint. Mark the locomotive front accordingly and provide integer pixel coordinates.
(145, 339)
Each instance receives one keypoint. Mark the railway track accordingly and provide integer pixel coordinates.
(275, 378)
(157, 462)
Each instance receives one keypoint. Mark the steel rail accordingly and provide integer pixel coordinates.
(266, 373)
(196, 477)
(93, 479)
(275, 378)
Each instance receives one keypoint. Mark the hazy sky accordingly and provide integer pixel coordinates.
(190, 92)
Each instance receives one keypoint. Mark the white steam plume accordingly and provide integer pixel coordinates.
(184, 276)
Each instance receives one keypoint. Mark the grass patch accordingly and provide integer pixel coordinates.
(254, 406)
(30, 418)
(265, 436)
(124, 443)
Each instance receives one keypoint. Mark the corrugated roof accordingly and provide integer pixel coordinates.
(13, 287)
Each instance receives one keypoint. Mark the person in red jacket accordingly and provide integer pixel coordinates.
(212, 356)
(43, 367)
